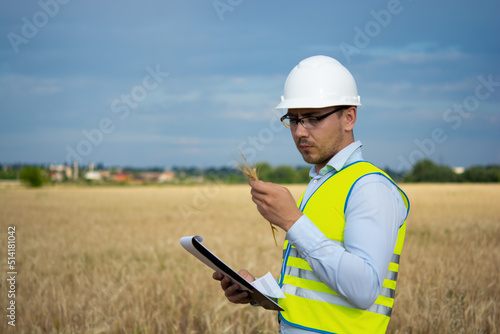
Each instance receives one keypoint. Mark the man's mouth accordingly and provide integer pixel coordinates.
(305, 146)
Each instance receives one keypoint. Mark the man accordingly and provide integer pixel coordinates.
(342, 247)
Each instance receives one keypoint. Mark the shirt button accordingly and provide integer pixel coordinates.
(315, 181)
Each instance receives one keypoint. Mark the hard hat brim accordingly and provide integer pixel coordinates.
(315, 103)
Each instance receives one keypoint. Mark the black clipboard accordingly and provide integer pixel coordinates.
(193, 245)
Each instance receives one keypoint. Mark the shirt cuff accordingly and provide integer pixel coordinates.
(304, 235)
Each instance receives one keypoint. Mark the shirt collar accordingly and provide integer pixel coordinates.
(338, 161)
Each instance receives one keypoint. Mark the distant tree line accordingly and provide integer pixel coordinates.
(428, 171)
(33, 176)
(423, 171)
(280, 174)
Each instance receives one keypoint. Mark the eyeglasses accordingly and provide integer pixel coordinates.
(309, 122)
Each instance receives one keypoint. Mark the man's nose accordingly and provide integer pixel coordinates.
(300, 130)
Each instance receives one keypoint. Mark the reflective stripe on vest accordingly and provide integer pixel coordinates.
(331, 296)
(310, 303)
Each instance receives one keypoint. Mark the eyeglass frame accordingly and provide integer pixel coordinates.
(301, 120)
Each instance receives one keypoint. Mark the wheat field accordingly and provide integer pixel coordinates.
(108, 259)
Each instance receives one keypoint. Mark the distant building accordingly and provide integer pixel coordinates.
(148, 177)
(57, 168)
(121, 177)
(93, 176)
(68, 172)
(458, 170)
(57, 173)
(75, 170)
(105, 174)
(166, 177)
(56, 176)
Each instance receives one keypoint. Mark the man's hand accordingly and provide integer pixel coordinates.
(275, 203)
(231, 290)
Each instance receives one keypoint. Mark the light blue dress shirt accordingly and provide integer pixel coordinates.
(374, 213)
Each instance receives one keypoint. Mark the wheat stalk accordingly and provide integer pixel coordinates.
(251, 173)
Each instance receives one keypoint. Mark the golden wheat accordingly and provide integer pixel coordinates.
(108, 260)
(251, 173)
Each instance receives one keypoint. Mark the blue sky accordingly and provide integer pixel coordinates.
(179, 83)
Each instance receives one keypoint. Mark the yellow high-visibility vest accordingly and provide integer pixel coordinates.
(310, 304)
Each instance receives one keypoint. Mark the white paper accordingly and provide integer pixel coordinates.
(267, 285)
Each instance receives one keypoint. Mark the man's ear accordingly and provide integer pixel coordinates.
(350, 118)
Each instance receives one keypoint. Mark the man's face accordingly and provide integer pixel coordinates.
(320, 144)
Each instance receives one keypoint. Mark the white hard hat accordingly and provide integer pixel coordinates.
(318, 82)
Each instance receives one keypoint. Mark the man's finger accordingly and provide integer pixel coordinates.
(258, 186)
(246, 275)
(256, 200)
(240, 298)
(225, 283)
(232, 290)
(217, 276)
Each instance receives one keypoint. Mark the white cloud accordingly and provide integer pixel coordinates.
(19, 85)
(145, 138)
(416, 53)
(241, 114)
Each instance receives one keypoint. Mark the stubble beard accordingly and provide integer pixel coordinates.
(324, 153)
(317, 159)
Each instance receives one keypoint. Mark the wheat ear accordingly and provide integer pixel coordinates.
(251, 173)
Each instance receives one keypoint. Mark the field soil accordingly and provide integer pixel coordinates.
(108, 259)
